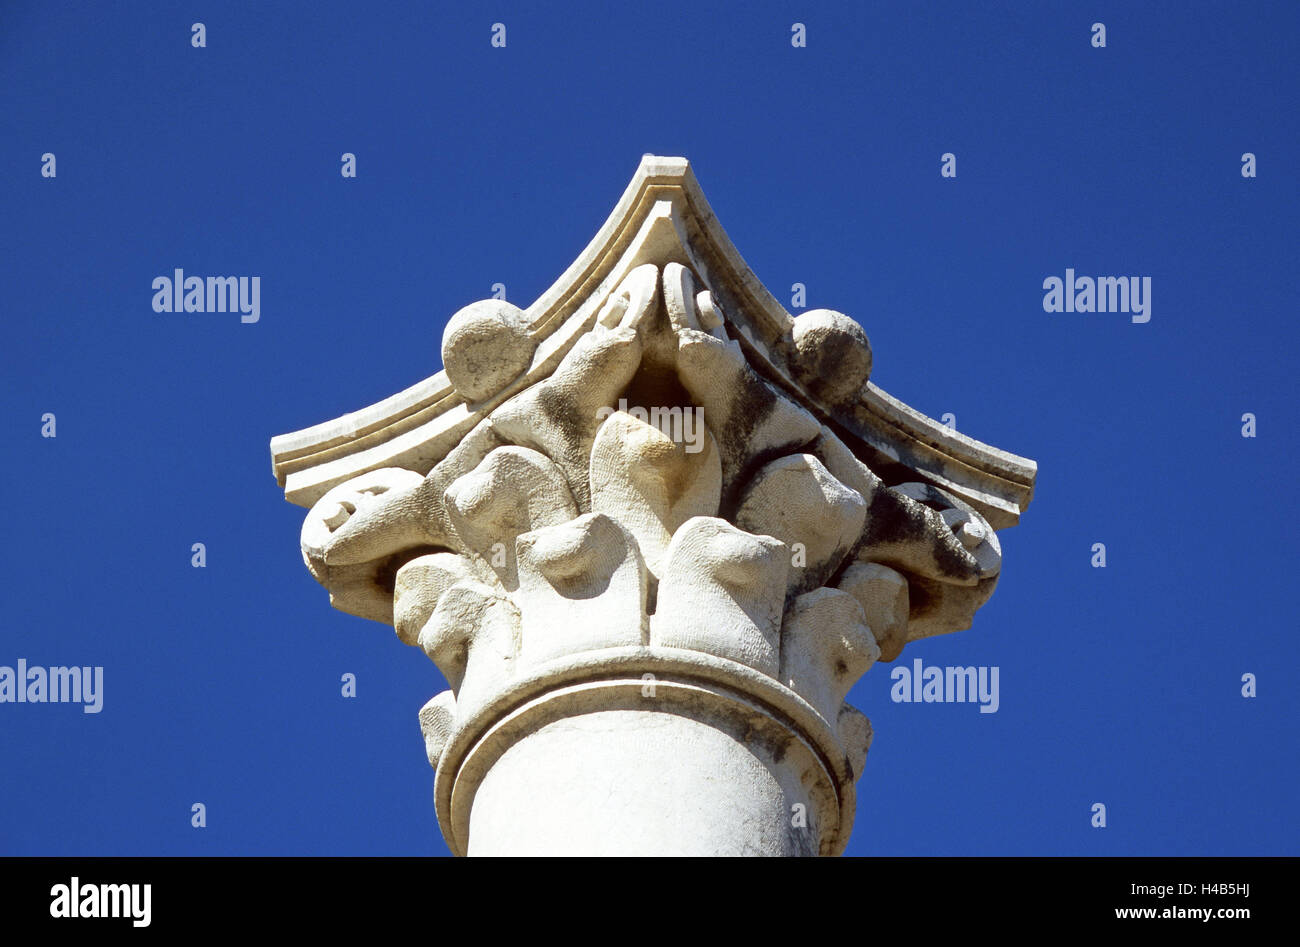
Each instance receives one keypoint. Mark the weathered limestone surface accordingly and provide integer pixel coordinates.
(651, 530)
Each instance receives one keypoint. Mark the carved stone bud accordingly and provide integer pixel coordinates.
(485, 347)
(831, 357)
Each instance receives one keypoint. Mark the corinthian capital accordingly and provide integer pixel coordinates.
(651, 530)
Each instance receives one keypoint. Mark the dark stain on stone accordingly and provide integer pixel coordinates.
(887, 469)
(386, 573)
(561, 410)
(893, 519)
(749, 407)
(652, 387)
(923, 597)
(816, 365)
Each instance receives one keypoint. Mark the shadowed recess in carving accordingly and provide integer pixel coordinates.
(667, 465)
(567, 506)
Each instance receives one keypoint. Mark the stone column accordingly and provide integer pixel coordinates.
(651, 531)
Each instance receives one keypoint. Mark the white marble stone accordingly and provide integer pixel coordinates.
(649, 638)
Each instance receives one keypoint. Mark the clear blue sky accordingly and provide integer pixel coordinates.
(478, 165)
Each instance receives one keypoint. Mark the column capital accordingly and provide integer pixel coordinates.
(653, 499)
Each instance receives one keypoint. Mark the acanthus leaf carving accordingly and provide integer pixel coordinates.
(736, 579)
(568, 521)
(590, 519)
(652, 482)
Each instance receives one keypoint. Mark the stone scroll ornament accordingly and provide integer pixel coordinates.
(650, 525)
